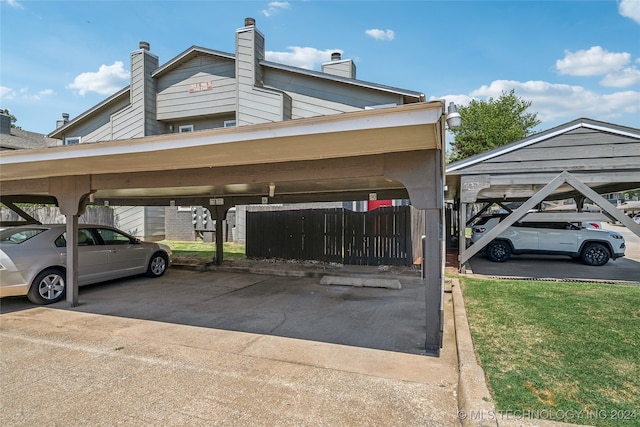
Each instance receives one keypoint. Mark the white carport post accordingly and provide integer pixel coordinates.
(71, 193)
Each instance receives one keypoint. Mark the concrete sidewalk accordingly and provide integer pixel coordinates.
(64, 367)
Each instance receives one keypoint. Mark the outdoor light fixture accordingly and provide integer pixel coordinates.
(272, 189)
(453, 117)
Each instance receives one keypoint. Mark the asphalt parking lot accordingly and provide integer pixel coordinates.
(293, 307)
(548, 267)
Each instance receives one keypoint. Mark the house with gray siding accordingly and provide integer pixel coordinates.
(202, 89)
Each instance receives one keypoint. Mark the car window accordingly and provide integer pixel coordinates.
(547, 225)
(13, 236)
(496, 218)
(85, 238)
(113, 237)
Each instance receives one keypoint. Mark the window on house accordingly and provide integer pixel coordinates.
(72, 140)
(229, 123)
(185, 128)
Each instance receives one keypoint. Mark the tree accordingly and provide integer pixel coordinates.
(490, 124)
(13, 118)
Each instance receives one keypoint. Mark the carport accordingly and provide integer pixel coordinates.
(582, 159)
(390, 153)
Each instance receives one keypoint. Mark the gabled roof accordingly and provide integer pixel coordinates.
(368, 85)
(197, 50)
(459, 166)
(187, 55)
(20, 139)
(104, 104)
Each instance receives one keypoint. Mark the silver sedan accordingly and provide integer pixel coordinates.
(33, 259)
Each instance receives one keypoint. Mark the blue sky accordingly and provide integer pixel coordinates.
(571, 59)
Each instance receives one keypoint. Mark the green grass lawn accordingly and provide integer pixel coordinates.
(201, 251)
(557, 348)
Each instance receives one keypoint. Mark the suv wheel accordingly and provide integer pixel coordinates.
(499, 251)
(595, 254)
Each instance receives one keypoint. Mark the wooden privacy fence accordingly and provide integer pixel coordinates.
(378, 237)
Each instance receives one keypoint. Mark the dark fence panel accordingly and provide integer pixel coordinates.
(332, 236)
(310, 234)
(382, 236)
(378, 237)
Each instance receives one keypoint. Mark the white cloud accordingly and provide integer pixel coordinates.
(42, 94)
(275, 7)
(7, 93)
(108, 79)
(554, 102)
(624, 78)
(381, 34)
(24, 93)
(303, 57)
(593, 62)
(630, 9)
(14, 3)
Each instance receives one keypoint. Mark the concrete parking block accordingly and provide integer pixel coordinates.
(368, 282)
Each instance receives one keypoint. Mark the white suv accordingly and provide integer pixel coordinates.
(594, 247)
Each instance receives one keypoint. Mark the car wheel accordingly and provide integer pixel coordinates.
(157, 265)
(48, 287)
(595, 254)
(498, 251)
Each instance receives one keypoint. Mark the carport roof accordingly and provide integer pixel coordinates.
(238, 161)
(605, 156)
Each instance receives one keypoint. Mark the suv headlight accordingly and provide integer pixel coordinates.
(616, 236)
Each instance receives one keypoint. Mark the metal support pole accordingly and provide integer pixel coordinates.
(72, 260)
(432, 259)
(462, 236)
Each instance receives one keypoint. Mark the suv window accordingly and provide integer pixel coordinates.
(484, 219)
(548, 225)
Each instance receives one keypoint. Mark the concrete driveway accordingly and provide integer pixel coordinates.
(622, 270)
(214, 348)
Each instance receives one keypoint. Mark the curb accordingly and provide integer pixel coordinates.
(475, 404)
